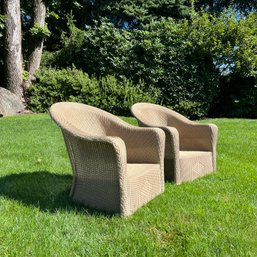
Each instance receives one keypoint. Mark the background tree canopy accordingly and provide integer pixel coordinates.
(242, 6)
(125, 13)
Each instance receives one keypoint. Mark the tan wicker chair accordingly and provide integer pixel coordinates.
(117, 167)
(190, 148)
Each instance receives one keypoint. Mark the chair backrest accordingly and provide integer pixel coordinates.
(156, 115)
(149, 114)
(82, 117)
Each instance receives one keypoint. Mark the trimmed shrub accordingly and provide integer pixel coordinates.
(71, 84)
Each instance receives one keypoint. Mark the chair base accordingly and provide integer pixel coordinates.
(192, 164)
(144, 184)
(105, 195)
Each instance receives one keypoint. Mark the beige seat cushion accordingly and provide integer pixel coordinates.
(136, 170)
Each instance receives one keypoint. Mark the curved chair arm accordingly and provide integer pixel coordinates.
(171, 142)
(172, 154)
(200, 137)
(171, 160)
(143, 145)
(101, 159)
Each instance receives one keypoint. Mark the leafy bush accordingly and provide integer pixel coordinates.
(71, 84)
(192, 110)
(234, 52)
(158, 55)
(117, 97)
(2, 21)
(186, 60)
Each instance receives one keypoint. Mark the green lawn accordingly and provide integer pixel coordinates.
(212, 216)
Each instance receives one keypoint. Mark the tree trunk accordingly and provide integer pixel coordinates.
(36, 43)
(12, 45)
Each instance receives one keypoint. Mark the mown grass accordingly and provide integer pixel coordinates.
(211, 216)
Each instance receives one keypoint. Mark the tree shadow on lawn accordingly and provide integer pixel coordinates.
(47, 191)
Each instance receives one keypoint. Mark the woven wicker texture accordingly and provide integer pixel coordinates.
(190, 148)
(117, 167)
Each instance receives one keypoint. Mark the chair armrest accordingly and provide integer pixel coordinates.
(171, 142)
(112, 149)
(100, 146)
(143, 145)
(201, 137)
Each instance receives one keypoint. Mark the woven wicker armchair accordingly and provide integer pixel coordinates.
(117, 167)
(190, 148)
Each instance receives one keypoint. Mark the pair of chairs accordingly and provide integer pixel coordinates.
(118, 167)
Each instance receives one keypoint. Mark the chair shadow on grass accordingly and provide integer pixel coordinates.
(47, 191)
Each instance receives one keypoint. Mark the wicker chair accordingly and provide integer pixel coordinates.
(190, 148)
(117, 167)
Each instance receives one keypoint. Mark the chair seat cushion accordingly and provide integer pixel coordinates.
(194, 164)
(193, 154)
(136, 170)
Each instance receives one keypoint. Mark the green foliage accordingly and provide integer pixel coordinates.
(108, 93)
(137, 11)
(217, 6)
(2, 22)
(160, 55)
(192, 110)
(71, 52)
(40, 31)
(117, 97)
(185, 60)
(232, 45)
(123, 13)
(186, 71)
(25, 75)
(48, 59)
(231, 42)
